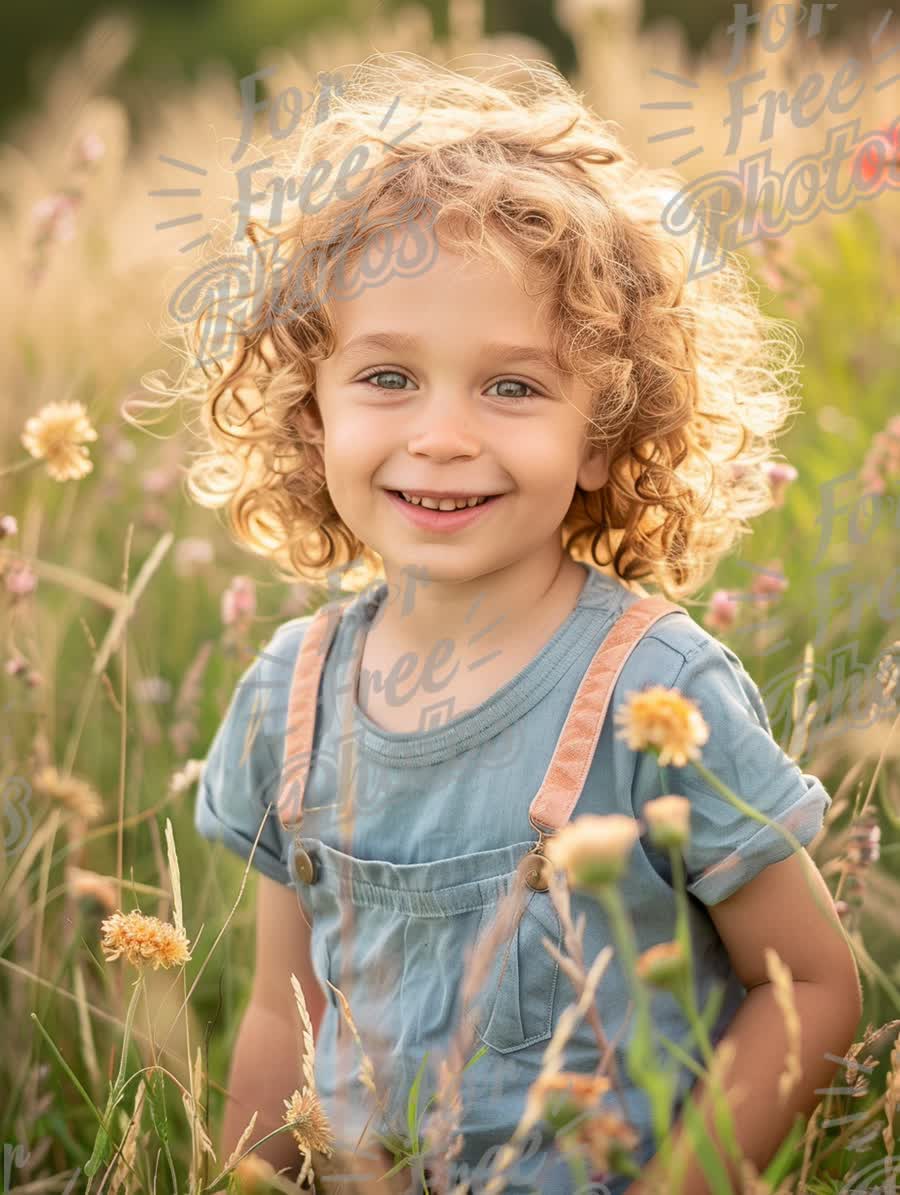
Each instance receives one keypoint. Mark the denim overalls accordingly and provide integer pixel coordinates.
(395, 938)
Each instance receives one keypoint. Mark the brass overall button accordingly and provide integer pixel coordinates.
(304, 866)
(534, 871)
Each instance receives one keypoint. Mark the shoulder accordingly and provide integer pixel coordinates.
(676, 652)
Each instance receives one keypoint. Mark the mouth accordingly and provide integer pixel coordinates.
(432, 517)
(443, 505)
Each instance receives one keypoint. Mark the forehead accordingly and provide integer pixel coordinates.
(418, 277)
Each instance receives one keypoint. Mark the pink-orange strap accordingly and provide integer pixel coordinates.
(301, 714)
(558, 795)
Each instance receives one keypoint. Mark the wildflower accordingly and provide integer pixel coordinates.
(157, 481)
(15, 665)
(144, 939)
(312, 1132)
(254, 1174)
(77, 795)
(57, 434)
(882, 460)
(770, 581)
(8, 526)
(191, 553)
(842, 909)
(593, 849)
(606, 1138)
(663, 966)
(54, 216)
(780, 475)
(89, 148)
(154, 690)
(663, 720)
(238, 601)
(864, 847)
(873, 157)
(669, 819)
(92, 886)
(723, 611)
(566, 1095)
(19, 579)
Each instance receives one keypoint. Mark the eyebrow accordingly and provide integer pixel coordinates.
(403, 340)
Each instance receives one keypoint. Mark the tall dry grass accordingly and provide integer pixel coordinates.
(125, 629)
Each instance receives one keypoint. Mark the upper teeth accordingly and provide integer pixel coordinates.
(443, 503)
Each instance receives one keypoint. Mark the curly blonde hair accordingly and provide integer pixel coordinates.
(691, 382)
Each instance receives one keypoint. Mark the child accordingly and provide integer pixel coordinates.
(493, 313)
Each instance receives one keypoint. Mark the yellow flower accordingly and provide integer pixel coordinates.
(565, 1096)
(144, 939)
(669, 819)
(593, 849)
(76, 794)
(663, 720)
(606, 1138)
(56, 433)
(313, 1131)
(663, 965)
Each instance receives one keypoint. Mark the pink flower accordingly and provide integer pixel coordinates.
(780, 475)
(192, 553)
(158, 481)
(54, 216)
(8, 526)
(771, 581)
(19, 579)
(723, 610)
(90, 148)
(239, 601)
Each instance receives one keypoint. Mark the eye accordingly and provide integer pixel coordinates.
(385, 373)
(515, 382)
(394, 373)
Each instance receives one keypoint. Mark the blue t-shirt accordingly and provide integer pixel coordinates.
(431, 802)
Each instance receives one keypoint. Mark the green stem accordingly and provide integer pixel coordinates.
(686, 995)
(26, 463)
(640, 1053)
(62, 1062)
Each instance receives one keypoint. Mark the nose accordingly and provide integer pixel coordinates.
(446, 427)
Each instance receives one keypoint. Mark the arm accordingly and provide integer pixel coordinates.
(266, 1066)
(776, 910)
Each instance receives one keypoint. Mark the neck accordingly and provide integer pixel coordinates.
(479, 615)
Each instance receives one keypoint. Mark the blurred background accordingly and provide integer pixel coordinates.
(175, 40)
(101, 107)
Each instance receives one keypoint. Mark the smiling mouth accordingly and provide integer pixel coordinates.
(443, 504)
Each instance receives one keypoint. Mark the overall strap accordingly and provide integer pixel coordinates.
(577, 742)
(301, 713)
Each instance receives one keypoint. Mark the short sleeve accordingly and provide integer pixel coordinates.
(727, 846)
(242, 772)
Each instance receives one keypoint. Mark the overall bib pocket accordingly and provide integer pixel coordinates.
(516, 1004)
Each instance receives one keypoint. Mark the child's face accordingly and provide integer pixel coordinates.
(453, 414)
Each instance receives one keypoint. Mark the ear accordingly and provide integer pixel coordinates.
(593, 471)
